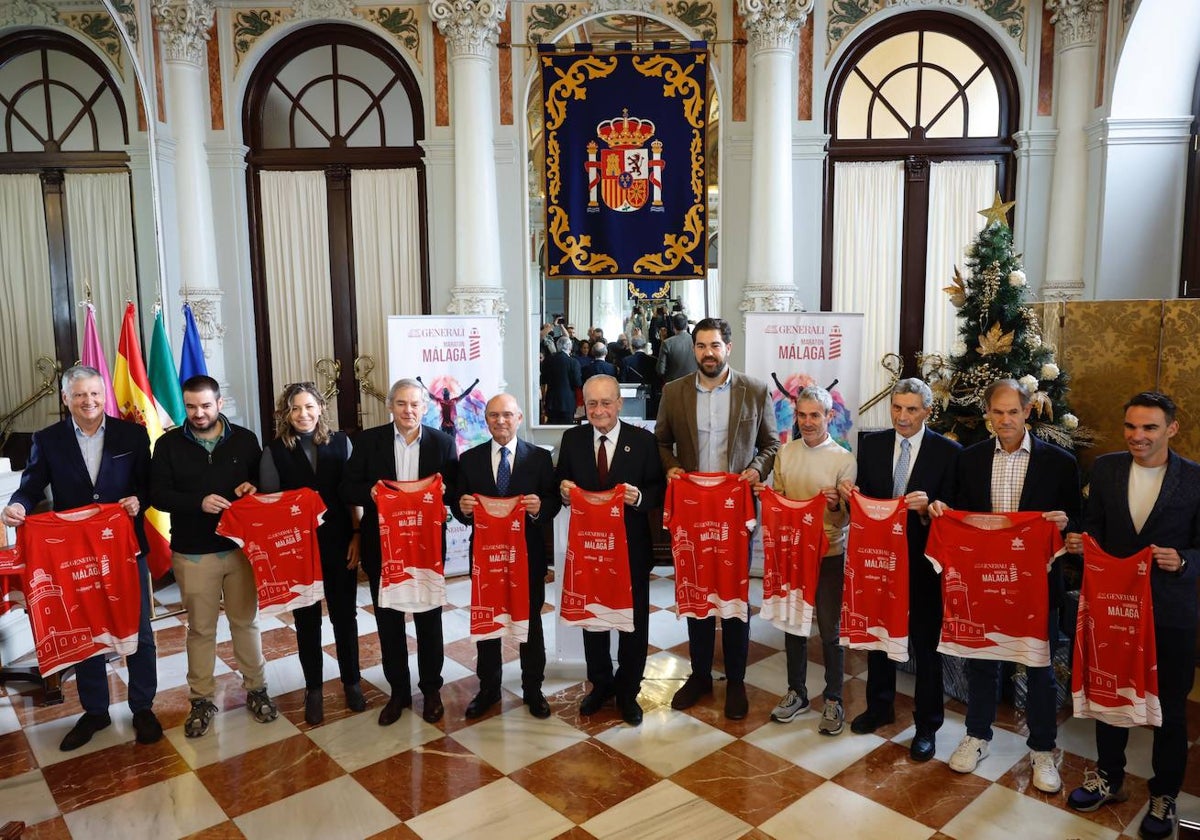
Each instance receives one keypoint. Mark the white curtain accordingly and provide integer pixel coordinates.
(295, 223)
(100, 221)
(24, 299)
(385, 214)
(691, 295)
(579, 306)
(868, 222)
(957, 191)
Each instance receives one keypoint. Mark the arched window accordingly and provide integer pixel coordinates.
(334, 119)
(921, 111)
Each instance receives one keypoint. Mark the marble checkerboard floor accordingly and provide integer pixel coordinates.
(687, 774)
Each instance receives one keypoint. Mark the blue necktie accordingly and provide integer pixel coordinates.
(900, 476)
(503, 472)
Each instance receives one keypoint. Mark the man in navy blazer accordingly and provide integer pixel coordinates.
(84, 460)
(403, 450)
(1015, 471)
(631, 459)
(1150, 497)
(532, 478)
(924, 474)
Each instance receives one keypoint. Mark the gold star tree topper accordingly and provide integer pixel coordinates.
(998, 212)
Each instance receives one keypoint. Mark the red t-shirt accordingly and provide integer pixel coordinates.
(710, 517)
(81, 584)
(995, 596)
(875, 582)
(278, 532)
(597, 590)
(499, 570)
(11, 569)
(1115, 678)
(411, 516)
(794, 541)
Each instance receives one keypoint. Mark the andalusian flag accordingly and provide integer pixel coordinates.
(135, 401)
(164, 380)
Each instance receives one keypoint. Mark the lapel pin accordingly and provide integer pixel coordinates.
(626, 448)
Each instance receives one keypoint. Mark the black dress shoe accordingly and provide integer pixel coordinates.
(594, 701)
(870, 720)
(538, 705)
(395, 707)
(146, 728)
(922, 747)
(692, 690)
(314, 706)
(480, 703)
(433, 710)
(355, 701)
(83, 730)
(737, 705)
(631, 712)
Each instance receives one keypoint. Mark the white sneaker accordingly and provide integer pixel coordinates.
(832, 718)
(1045, 771)
(967, 755)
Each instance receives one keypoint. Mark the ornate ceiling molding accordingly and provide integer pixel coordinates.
(184, 25)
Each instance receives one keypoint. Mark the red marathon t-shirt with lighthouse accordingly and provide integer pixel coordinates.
(875, 582)
(81, 584)
(995, 595)
(794, 541)
(411, 517)
(499, 570)
(278, 532)
(597, 593)
(710, 517)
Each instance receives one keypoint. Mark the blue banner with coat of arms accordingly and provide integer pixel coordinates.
(626, 191)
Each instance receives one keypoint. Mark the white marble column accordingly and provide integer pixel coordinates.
(772, 26)
(471, 29)
(1075, 23)
(184, 26)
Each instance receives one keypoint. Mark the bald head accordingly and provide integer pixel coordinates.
(504, 417)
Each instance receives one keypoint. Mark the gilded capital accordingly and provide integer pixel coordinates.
(184, 25)
(773, 24)
(470, 27)
(1075, 21)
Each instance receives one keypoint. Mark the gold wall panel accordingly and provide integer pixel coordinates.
(1110, 348)
(1179, 371)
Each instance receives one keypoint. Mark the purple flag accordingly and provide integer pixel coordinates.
(93, 356)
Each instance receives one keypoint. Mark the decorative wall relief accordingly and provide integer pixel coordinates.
(845, 16)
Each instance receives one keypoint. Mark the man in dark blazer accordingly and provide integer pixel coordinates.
(748, 442)
(560, 376)
(403, 450)
(630, 458)
(1015, 471)
(676, 357)
(532, 478)
(1150, 497)
(84, 460)
(922, 474)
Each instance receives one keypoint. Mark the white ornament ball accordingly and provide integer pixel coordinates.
(958, 348)
(1029, 382)
(1016, 278)
(1049, 372)
(1070, 421)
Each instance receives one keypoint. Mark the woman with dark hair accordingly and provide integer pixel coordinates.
(307, 453)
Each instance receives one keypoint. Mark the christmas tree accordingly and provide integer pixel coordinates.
(999, 336)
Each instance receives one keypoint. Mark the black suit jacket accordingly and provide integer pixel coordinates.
(1174, 522)
(532, 474)
(561, 377)
(374, 458)
(635, 461)
(932, 472)
(56, 462)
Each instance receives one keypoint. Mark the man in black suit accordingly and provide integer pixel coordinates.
(630, 457)
(86, 459)
(560, 377)
(528, 472)
(403, 450)
(639, 366)
(1150, 497)
(676, 356)
(1016, 471)
(915, 462)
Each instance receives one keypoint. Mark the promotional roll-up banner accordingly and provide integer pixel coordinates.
(792, 350)
(454, 357)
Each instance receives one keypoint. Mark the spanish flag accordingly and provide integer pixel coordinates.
(135, 402)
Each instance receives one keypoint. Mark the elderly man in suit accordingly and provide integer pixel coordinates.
(599, 456)
(403, 450)
(86, 459)
(1015, 471)
(506, 466)
(913, 461)
(1150, 497)
(676, 357)
(560, 378)
(718, 420)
